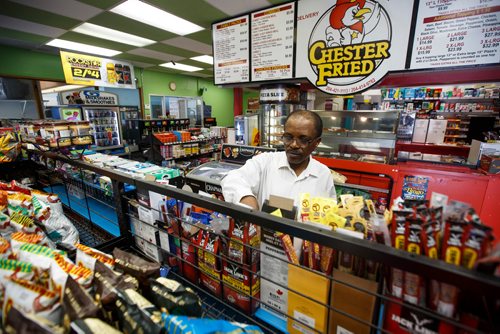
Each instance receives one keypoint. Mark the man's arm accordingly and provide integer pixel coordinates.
(242, 185)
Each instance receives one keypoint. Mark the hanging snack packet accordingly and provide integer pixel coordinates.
(315, 215)
(135, 266)
(429, 240)
(305, 206)
(26, 323)
(174, 297)
(20, 203)
(452, 241)
(136, 314)
(29, 297)
(87, 256)
(398, 228)
(77, 303)
(287, 244)
(92, 326)
(476, 239)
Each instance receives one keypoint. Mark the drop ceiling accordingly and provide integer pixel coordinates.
(30, 24)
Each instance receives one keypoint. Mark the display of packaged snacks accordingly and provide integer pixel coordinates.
(107, 281)
(136, 314)
(174, 297)
(20, 322)
(135, 266)
(92, 326)
(176, 324)
(87, 257)
(77, 303)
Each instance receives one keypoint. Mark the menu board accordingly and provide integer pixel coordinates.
(272, 43)
(231, 50)
(456, 33)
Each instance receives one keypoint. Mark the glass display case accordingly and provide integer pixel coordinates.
(105, 124)
(368, 136)
(247, 129)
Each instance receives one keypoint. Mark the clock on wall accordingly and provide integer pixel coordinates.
(172, 85)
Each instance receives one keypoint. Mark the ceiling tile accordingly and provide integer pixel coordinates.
(103, 4)
(232, 8)
(121, 23)
(132, 57)
(204, 36)
(70, 8)
(103, 43)
(172, 50)
(189, 44)
(155, 54)
(24, 36)
(30, 27)
(35, 15)
(140, 64)
(196, 11)
(18, 43)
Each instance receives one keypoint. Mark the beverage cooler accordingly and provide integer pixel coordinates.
(130, 117)
(247, 129)
(276, 103)
(105, 125)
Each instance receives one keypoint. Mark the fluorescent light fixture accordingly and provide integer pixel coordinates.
(204, 59)
(366, 146)
(63, 44)
(62, 88)
(333, 118)
(181, 67)
(363, 119)
(112, 35)
(142, 12)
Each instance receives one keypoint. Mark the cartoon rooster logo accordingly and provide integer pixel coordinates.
(349, 23)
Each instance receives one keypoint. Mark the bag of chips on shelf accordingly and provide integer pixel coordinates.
(20, 203)
(16, 269)
(17, 239)
(59, 228)
(179, 324)
(107, 281)
(29, 297)
(77, 303)
(26, 323)
(87, 257)
(5, 250)
(136, 314)
(174, 297)
(135, 266)
(92, 326)
(61, 268)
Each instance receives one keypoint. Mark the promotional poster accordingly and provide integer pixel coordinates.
(347, 46)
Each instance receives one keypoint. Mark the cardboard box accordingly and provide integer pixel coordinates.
(308, 311)
(490, 164)
(240, 286)
(351, 301)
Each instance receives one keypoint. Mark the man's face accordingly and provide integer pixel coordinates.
(300, 140)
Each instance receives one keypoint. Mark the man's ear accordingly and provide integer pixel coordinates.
(316, 142)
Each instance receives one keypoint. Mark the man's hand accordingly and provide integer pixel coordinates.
(251, 201)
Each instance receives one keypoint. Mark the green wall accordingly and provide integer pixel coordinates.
(30, 64)
(221, 99)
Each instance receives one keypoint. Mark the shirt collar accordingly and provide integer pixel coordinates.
(309, 171)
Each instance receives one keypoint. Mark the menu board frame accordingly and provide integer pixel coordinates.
(416, 21)
(260, 82)
(293, 45)
(247, 16)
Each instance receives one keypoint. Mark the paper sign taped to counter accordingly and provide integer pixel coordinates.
(415, 187)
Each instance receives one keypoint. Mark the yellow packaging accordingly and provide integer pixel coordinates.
(370, 206)
(334, 220)
(315, 215)
(344, 198)
(311, 312)
(328, 204)
(305, 206)
(355, 204)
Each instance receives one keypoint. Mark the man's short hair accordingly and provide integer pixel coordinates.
(311, 115)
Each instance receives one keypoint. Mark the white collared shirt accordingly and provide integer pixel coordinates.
(270, 174)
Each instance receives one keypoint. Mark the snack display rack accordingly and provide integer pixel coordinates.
(145, 237)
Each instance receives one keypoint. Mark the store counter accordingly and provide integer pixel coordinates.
(459, 183)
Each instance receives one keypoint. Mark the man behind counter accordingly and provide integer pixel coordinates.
(286, 174)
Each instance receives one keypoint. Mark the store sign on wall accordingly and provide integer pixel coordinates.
(93, 97)
(346, 46)
(96, 71)
(415, 187)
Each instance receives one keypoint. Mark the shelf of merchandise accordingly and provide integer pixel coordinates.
(190, 155)
(192, 141)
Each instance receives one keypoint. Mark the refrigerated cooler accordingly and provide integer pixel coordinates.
(276, 103)
(247, 129)
(105, 125)
(130, 116)
(208, 176)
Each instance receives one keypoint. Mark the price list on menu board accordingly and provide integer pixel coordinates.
(456, 33)
(272, 43)
(231, 50)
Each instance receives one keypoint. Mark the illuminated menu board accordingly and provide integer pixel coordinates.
(456, 33)
(231, 50)
(272, 43)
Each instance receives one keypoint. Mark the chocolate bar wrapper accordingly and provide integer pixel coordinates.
(327, 259)
(287, 244)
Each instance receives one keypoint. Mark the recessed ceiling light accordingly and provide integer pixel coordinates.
(63, 44)
(204, 59)
(142, 12)
(112, 35)
(181, 67)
